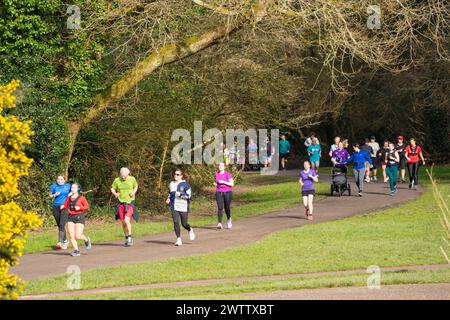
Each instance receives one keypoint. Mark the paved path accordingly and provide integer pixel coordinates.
(440, 291)
(209, 239)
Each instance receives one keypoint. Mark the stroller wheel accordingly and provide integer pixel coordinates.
(349, 190)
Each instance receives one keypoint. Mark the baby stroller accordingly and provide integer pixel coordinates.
(339, 183)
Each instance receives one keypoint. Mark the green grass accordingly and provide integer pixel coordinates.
(233, 290)
(406, 235)
(260, 200)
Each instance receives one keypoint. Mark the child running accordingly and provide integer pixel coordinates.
(224, 183)
(392, 163)
(180, 194)
(76, 205)
(307, 178)
(59, 191)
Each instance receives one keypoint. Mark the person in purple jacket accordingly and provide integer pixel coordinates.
(338, 156)
(224, 183)
(307, 178)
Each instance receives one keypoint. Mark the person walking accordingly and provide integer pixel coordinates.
(59, 191)
(414, 155)
(76, 206)
(401, 147)
(224, 183)
(373, 155)
(359, 158)
(307, 178)
(338, 156)
(180, 194)
(392, 163)
(124, 188)
(285, 148)
(315, 153)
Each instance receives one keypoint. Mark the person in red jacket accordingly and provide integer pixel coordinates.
(76, 205)
(412, 153)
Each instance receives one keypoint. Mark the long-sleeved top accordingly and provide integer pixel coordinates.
(71, 203)
(359, 158)
(180, 202)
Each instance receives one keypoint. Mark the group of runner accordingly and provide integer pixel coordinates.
(69, 206)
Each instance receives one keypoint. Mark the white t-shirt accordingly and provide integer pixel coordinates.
(375, 147)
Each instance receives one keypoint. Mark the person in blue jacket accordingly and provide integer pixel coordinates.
(179, 196)
(359, 159)
(59, 191)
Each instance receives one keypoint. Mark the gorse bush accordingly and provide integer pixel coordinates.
(14, 222)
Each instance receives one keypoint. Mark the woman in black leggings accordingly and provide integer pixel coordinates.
(224, 183)
(412, 153)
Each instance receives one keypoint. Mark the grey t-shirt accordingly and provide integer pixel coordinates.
(375, 147)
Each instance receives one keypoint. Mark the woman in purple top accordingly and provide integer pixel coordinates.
(224, 183)
(307, 178)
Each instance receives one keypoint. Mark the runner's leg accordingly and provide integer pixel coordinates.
(72, 235)
(184, 220)
(219, 200)
(176, 222)
(310, 204)
(227, 203)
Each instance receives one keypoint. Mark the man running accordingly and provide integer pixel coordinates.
(359, 158)
(401, 147)
(368, 149)
(412, 153)
(124, 188)
(373, 155)
(285, 148)
(315, 153)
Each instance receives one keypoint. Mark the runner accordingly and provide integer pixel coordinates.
(285, 148)
(226, 154)
(345, 143)
(392, 160)
(412, 154)
(310, 139)
(179, 197)
(224, 183)
(307, 178)
(382, 156)
(253, 154)
(338, 156)
(359, 159)
(334, 146)
(59, 191)
(400, 147)
(315, 153)
(375, 148)
(124, 188)
(76, 205)
(269, 153)
(367, 148)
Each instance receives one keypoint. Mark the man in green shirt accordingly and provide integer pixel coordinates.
(124, 188)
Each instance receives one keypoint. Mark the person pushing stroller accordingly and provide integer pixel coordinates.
(339, 183)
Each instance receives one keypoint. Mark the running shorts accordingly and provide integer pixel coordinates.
(77, 218)
(374, 162)
(402, 164)
(306, 193)
(122, 213)
(284, 155)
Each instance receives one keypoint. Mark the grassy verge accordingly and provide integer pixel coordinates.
(233, 290)
(261, 200)
(406, 235)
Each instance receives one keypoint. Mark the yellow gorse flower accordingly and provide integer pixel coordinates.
(14, 164)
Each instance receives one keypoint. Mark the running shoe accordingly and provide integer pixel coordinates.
(178, 243)
(58, 246)
(309, 217)
(219, 226)
(129, 242)
(64, 245)
(360, 194)
(191, 235)
(410, 186)
(76, 253)
(375, 178)
(88, 244)
(415, 187)
(229, 224)
(367, 179)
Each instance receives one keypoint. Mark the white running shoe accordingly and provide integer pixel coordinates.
(191, 235)
(219, 226)
(178, 243)
(229, 224)
(375, 178)
(64, 245)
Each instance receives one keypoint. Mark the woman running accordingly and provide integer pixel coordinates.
(359, 159)
(224, 183)
(400, 147)
(392, 160)
(413, 152)
(59, 191)
(315, 153)
(382, 156)
(76, 205)
(307, 178)
(180, 194)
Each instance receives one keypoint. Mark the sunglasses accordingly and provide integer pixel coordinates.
(177, 174)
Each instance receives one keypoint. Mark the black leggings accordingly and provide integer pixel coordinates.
(413, 170)
(61, 217)
(176, 221)
(223, 199)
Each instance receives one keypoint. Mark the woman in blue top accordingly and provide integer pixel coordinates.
(307, 178)
(59, 191)
(315, 153)
(359, 159)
